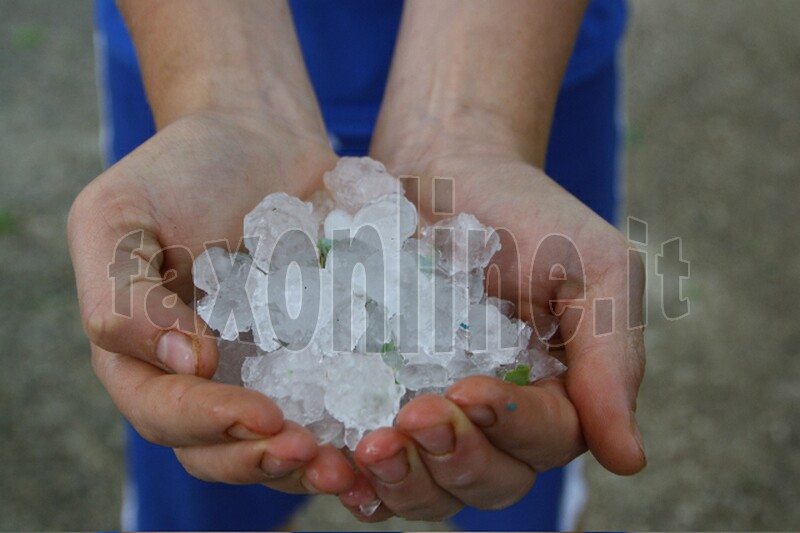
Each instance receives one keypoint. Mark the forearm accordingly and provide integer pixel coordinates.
(233, 56)
(479, 70)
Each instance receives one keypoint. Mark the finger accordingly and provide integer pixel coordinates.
(279, 459)
(391, 463)
(175, 410)
(329, 473)
(284, 462)
(460, 458)
(125, 306)
(536, 424)
(363, 503)
(605, 371)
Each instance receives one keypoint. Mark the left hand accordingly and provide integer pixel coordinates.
(481, 446)
(483, 443)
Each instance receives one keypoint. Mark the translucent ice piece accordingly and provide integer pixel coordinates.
(232, 355)
(392, 215)
(338, 219)
(276, 215)
(226, 307)
(361, 392)
(358, 180)
(464, 243)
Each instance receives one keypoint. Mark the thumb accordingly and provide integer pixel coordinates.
(602, 380)
(125, 305)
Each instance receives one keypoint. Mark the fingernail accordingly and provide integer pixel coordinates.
(176, 351)
(391, 470)
(241, 432)
(274, 467)
(481, 415)
(437, 440)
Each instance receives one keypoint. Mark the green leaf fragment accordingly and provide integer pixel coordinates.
(387, 347)
(324, 246)
(426, 264)
(519, 376)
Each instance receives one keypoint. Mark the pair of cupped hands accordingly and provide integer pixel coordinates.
(135, 229)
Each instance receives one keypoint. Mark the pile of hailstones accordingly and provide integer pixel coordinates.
(341, 316)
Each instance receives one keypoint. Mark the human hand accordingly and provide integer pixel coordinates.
(133, 233)
(471, 447)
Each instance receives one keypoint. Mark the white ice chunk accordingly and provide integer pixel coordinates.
(263, 332)
(223, 276)
(361, 391)
(273, 218)
(418, 377)
(392, 215)
(322, 205)
(338, 219)
(294, 380)
(232, 355)
(463, 242)
(345, 330)
(358, 180)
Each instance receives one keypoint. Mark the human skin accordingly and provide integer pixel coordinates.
(473, 99)
(236, 107)
(233, 126)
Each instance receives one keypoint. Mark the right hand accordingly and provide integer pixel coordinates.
(133, 233)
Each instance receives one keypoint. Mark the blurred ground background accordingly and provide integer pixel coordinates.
(714, 111)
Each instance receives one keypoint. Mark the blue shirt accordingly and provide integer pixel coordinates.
(348, 46)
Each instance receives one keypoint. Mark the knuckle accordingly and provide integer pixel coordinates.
(461, 479)
(101, 325)
(191, 467)
(84, 205)
(468, 478)
(148, 431)
(220, 414)
(146, 422)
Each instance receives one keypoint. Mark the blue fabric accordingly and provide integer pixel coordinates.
(128, 121)
(348, 45)
(169, 499)
(583, 154)
(582, 157)
(348, 48)
(537, 511)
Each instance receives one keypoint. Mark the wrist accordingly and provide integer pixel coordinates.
(244, 147)
(411, 144)
(199, 56)
(234, 93)
(476, 76)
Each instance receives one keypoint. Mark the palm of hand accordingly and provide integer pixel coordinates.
(468, 448)
(190, 185)
(195, 180)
